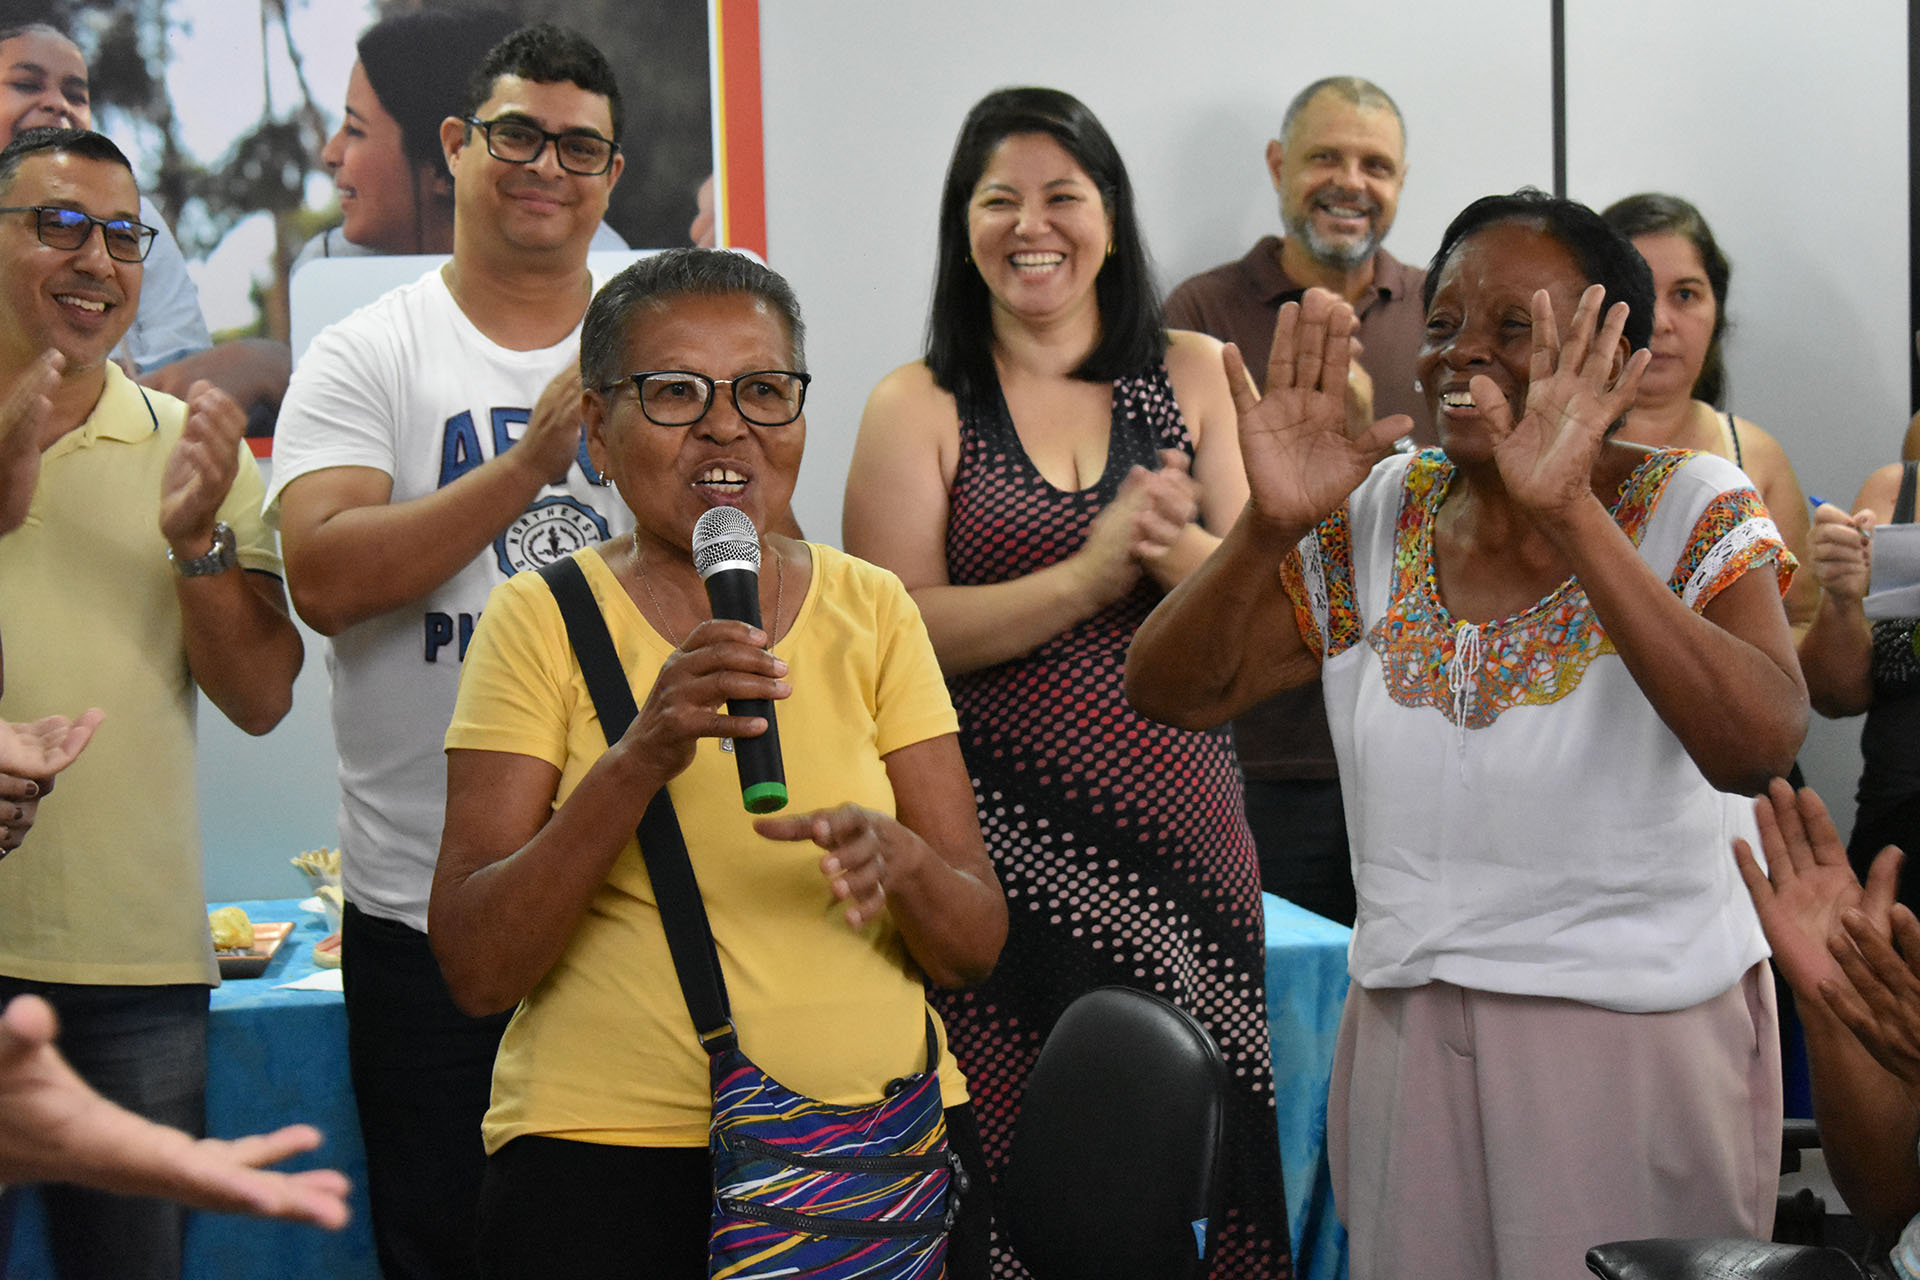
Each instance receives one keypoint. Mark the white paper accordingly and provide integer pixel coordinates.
(318, 980)
(1895, 589)
(1901, 602)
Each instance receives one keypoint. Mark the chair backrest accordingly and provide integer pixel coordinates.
(1116, 1160)
(1719, 1259)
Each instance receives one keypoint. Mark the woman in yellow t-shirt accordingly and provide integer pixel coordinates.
(826, 922)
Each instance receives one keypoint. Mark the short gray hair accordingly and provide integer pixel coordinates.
(84, 143)
(1354, 90)
(657, 280)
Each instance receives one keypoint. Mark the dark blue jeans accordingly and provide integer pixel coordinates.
(422, 1073)
(146, 1049)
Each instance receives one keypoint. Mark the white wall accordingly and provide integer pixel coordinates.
(1794, 146)
(862, 103)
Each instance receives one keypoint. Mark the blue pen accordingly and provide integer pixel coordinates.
(1816, 503)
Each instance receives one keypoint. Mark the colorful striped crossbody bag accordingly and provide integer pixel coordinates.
(802, 1188)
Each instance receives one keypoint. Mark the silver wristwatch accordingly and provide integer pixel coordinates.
(224, 555)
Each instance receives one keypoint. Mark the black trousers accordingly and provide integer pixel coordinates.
(551, 1207)
(422, 1075)
(1300, 834)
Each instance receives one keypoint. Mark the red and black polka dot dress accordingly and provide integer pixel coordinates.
(1121, 842)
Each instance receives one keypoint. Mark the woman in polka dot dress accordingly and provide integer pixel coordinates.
(1061, 460)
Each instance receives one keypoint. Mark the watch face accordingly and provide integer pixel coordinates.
(223, 555)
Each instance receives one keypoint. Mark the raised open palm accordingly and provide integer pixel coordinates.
(1808, 885)
(1577, 387)
(1301, 463)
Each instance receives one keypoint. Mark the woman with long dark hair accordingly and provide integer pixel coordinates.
(1683, 395)
(1065, 459)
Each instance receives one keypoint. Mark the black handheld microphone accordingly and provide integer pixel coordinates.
(726, 551)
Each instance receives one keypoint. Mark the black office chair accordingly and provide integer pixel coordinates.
(1720, 1260)
(1116, 1163)
(1796, 1251)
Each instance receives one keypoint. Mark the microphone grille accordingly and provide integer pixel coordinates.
(725, 535)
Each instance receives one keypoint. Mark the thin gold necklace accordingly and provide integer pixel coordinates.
(779, 594)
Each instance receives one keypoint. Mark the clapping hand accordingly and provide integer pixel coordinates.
(1577, 387)
(23, 415)
(1301, 460)
(1170, 501)
(200, 469)
(1879, 1001)
(552, 440)
(1148, 514)
(1808, 887)
(1107, 563)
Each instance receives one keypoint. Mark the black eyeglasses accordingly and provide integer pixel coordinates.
(517, 142)
(680, 397)
(60, 228)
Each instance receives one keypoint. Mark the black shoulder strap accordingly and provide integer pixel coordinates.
(1903, 505)
(682, 914)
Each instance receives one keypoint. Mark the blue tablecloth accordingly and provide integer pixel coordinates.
(1306, 987)
(273, 1057)
(276, 1056)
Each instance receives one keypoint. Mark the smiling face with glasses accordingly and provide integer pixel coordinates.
(674, 442)
(60, 287)
(534, 163)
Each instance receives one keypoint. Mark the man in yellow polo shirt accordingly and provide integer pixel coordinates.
(142, 573)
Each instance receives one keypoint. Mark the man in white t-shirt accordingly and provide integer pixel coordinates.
(429, 447)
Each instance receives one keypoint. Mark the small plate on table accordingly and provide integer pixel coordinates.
(251, 963)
